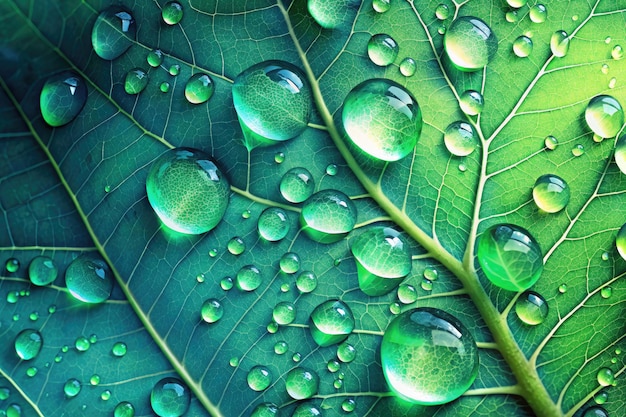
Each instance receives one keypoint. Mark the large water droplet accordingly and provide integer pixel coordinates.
(407, 294)
(113, 32)
(306, 282)
(510, 257)
(284, 313)
(72, 387)
(289, 263)
(604, 116)
(306, 409)
(328, 216)
(302, 383)
(297, 185)
(559, 43)
(383, 259)
(605, 377)
(265, 410)
(89, 279)
(460, 138)
(28, 344)
(42, 270)
(531, 308)
(62, 97)
(259, 378)
(199, 88)
(470, 43)
(331, 322)
(383, 119)
(408, 67)
(136, 80)
(273, 102)
(155, 58)
(595, 411)
(382, 49)
(381, 6)
(332, 13)
(170, 397)
(471, 102)
(236, 246)
(346, 352)
(522, 46)
(551, 193)
(212, 310)
(273, 224)
(428, 356)
(249, 278)
(187, 190)
(538, 13)
(172, 12)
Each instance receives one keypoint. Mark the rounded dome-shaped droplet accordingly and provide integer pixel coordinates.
(89, 279)
(578, 150)
(82, 344)
(617, 52)
(531, 308)
(72, 387)
(302, 383)
(407, 294)
(170, 397)
(522, 46)
(273, 101)
(113, 32)
(328, 216)
(174, 70)
(164, 87)
(119, 349)
(381, 6)
(595, 411)
(471, 102)
(551, 193)
(306, 409)
(12, 265)
(331, 14)
(289, 263)
(28, 344)
(346, 352)
(604, 116)
(382, 49)
(383, 119)
(249, 278)
(348, 405)
(510, 257)
(517, 3)
(62, 97)
(538, 13)
(155, 58)
(383, 259)
(273, 224)
(259, 378)
(124, 409)
(281, 347)
(284, 313)
(605, 377)
(331, 322)
(559, 43)
(551, 142)
(172, 12)
(428, 356)
(297, 185)
(442, 12)
(470, 43)
(620, 153)
(136, 81)
(236, 246)
(187, 190)
(199, 88)
(42, 270)
(408, 67)
(460, 138)
(306, 282)
(606, 292)
(265, 410)
(212, 310)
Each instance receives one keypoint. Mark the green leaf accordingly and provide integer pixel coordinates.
(80, 188)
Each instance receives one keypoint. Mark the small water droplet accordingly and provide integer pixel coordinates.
(595, 411)
(331, 322)
(273, 224)
(34, 316)
(408, 67)
(259, 378)
(617, 52)
(113, 32)
(462, 167)
(172, 12)
(612, 82)
(164, 87)
(119, 349)
(578, 150)
(301, 383)
(511, 16)
(328, 216)
(12, 265)
(284, 313)
(72, 387)
(348, 405)
(65, 348)
(306, 282)
(333, 365)
(605, 377)
(62, 97)
(307, 409)
(170, 397)
(93, 339)
(174, 70)
(297, 185)
(296, 357)
(442, 12)
(431, 274)
(559, 43)
(82, 344)
(427, 285)
(338, 383)
(551, 142)
(331, 169)
(601, 397)
(606, 292)
(155, 58)
(531, 308)
(58, 358)
(281, 347)
(213, 253)
(538, 13)
(605, 256)
(105, 395)
(13, 297)
(604, 69)
(200, 278)
(285, 287)
(199, 88)
(89, 279)
(272, 327)
(5, 393)
(212, 310)
(226, 283)
(249, 278)
(442, 29)
(551, 193)
(28, 344)
(563, 288)
(381, 6)
(346, 352)
(575, 18)
(471, 102)
(470, 43)
(290, 263)
(395, 308)
(246, 214)
(31, 371)
(234, 361)
(522, 46)
(460, 138)
(265, 410)
(13, 410)
(407, 294)
(136, 80)
(604, 116)
(42, 270)
(382, 49)
(94, 380)
(107, 188)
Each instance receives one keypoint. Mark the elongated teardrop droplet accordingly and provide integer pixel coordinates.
(113, 32)
(62, 97)
(559, 43)
(470, 43)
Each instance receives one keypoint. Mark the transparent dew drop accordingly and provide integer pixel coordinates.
(470, 43)
(113, 32)
(187, 190)
(328, 216)
(306, 282)
(337, 384)
(13, 410)
(428, 356)
(522, 46)
(604, 116)
(331, 322)
(551, 142)
(605, 377)
(620, 242)
(381, 6)
(296, 185)
(442, 12)
(284, 313)
(395, 308)
(200, 278)
(89, 279)
(34, 316)
(28, 344)
(559, 43)
(563, 288)
(5, 393)
(511, 16)
(249, 278)
(31, 371)
(331, 170)
(12, 265)
(538, 13)
(105, 395)
(281, 347)
(471, 102)
(246, 214)
(42, 270)
(301, 383)
(72, 388)
(595, 411)
(289, 263)
(430, 274)
(62, 97)
(460, 138)
(382, 49)
(604, 68)
(272, 327)
(407, 294)
(273, 102)
(517, 3)
(279, 157)
(265, 410)
(119, 349)
(617, 52)
(612, 82)
(620, 153)
(107, 188)
(212, 310)
(226, 283)
(601, 397)
(273, 224)
(333, 366)
(306, 409)
(236, 246)
(155, 58)
(213, 253)
(382, 118)
(170, 397)
(427, 285)
(136, 81)
(94, 380)
(172, 12)
(174, 70)
(234, 362)
(13, 297)
(606, 292)
(383, 259)
(82, 344)
(441, 30)
(578, 150)
(285, 287)
(348, 405)
(408, 67)
(510, 257)
(164, 87)
(346, 352)
(605, 256)
(531, 308)
(259, 378)
(551, 193)
(199, 88)
(331, 14)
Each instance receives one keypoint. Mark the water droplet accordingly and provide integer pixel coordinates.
(265, 410)
(72, 387)
(470, 43)
(430, 274)
(620, 153)
(226, 283)
(332, 13)
(236, 246)
(382, 49)
(172, 12)
(13, 410)
(338, 383)
(164, 87)
(174, 70)
(279, 157)
(331, 169)
(551, 193)
(604, 69)
(578, 150)
(348, 405)
(605, 377)
(612, 82)
(106, 395)
(604, 116)
(28, 344)
(301, 383)
(595, 412)
(427, 285)
(4, 393)
(249, 278)
(333, 366)
(259, 378)
(306, 409)
(113, 32)
(381, 6)
(395, 308)
(383, 259)
(606, 292)
(559, 43)
(65, 348)
(273, 102)
(617, 52)
(62, 97)
(89, 279)
(107, 188)
(306, 282)
(331, 322)
(200, 278)
(551, 142)
(34, 316)
(563, 288)
(42, 270)
(522, 46)
(442, 12)
(290, 263)
(407, 294)
(199, 88)
(234, 362)
(213, 253)
(284, 313)
(296, 357)
(155, 58)
(328, 216)
(531, 308)
(575, 18)
(187, 190)
(136, 80)
(94, 380)
(510, 257)
(538, 13)
(170, 397)
(517, 3)
(281, 347)
(460, 138)
(597, 139)
(212, 310)
(346, 352)
(273, 224)
(601, 397)
(297, 185)
(119, 349)
(511, 16)
(13, 297)
(408, 67)
(471, 102)
(414, 347)
(31, 371)
(82, 344)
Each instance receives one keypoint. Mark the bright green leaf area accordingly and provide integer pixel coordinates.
(53, 202)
